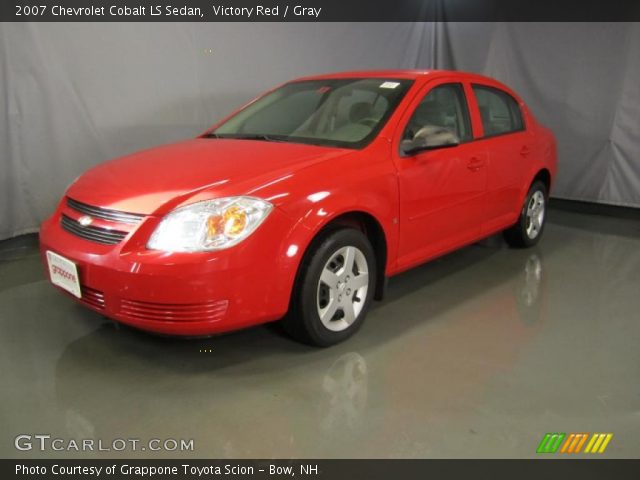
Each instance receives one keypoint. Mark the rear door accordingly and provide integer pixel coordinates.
(508, 143)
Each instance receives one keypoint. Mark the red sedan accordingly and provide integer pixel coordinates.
(302, 203)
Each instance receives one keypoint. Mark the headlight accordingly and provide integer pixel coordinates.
(209, 225)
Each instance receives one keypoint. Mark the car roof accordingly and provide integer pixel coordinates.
(410, 75)
(402, 74)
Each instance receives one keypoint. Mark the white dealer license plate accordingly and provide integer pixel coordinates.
(64, 273)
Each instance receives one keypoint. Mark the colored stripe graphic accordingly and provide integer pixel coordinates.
(598, 443)
(550, 442)
(574, 443)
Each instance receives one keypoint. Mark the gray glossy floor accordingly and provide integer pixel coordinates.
(477, 354)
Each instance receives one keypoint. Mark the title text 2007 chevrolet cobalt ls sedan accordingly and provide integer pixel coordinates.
(300, 205)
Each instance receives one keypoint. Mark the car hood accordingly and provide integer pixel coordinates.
(161, 178)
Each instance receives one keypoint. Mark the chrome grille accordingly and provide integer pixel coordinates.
(104, 213)
(95, 234)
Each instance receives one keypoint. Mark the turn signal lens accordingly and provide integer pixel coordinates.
(215, 225)
(235, 221)
(232, 223)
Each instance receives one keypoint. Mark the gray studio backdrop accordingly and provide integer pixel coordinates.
(74, 95)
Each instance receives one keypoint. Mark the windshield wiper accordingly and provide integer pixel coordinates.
(254, 136)
(249, 136)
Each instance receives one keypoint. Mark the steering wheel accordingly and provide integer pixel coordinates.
(369, 122)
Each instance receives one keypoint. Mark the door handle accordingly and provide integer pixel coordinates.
(525, 150)
(475, 163)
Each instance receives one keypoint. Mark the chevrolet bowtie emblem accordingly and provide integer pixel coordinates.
(85, 220)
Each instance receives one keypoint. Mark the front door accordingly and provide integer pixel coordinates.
(442, 189)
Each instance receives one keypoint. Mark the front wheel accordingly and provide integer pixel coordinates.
(528, 230)
(334, 289)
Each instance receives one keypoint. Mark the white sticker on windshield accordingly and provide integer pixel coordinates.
(389, 84)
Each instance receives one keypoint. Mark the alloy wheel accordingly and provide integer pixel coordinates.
(342, 288)
(535, 214)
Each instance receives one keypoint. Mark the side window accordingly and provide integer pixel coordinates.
(500, 113)
(444, 107)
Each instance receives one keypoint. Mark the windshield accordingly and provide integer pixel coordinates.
(337, 112)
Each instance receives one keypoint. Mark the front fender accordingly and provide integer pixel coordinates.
(298, 240)
(374, 194)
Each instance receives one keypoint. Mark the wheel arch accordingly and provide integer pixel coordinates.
(371, 227)
(544, 175)
(363, 221)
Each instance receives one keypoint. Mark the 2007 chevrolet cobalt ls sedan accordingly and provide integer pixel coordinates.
(302, 203)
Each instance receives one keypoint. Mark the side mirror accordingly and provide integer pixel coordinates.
(429, 138)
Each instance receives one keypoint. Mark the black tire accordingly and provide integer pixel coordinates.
(303, 321)
(522, 235)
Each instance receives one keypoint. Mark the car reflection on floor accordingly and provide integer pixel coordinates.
(257, 385)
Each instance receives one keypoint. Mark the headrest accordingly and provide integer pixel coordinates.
(359, 111)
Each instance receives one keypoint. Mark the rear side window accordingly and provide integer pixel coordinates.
(499, 111)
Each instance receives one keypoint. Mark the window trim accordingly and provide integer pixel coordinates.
(492, 89)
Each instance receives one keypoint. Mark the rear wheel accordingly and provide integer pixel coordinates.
(334, 289)
(528, 230)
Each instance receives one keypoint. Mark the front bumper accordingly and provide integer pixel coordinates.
(181, 293)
